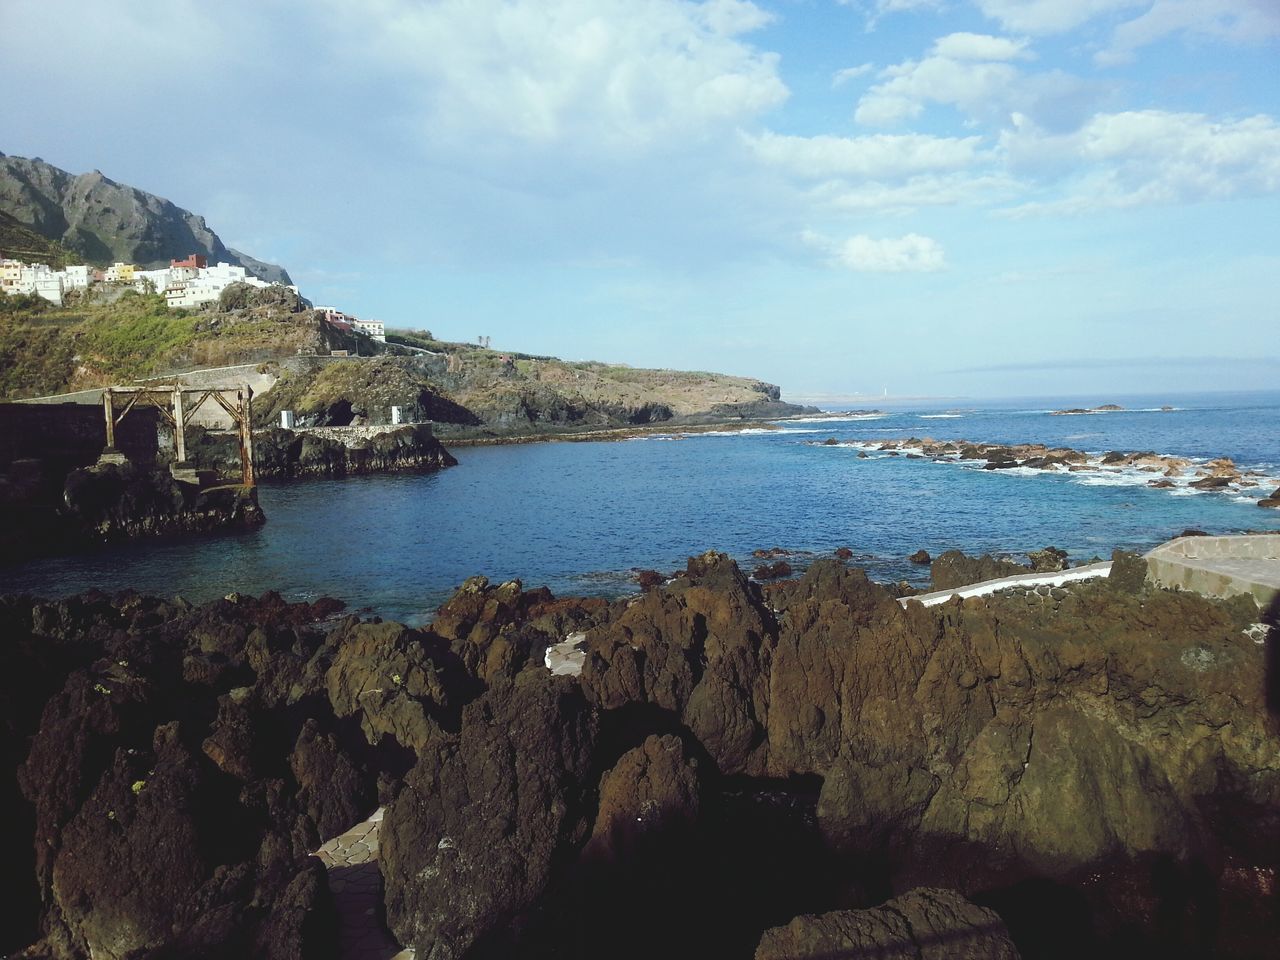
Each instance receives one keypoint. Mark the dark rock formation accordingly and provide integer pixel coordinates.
(843, 553)
(772, 571)
(1048, 560)
(921, 557)
(924, 924)
(175, 784)
(955, 569)
(1271, 501)
(111, 502)
(1096, 764)
(281, 454)
(486, 823)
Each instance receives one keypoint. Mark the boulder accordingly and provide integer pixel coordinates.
(954, 569)
(921, 557)
(923, 924)
(1048, 560)
(487, 821)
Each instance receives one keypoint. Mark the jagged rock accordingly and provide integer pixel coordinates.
(1048, 560)
(695, 648)
(843, 553)
(921, 557)
(485, 823)
(653, 791)
(954, 569)
(924, 924)
(398, 682)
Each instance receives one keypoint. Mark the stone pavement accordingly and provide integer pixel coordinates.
(356, 882)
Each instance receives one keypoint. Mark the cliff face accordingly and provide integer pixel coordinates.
(104, 221)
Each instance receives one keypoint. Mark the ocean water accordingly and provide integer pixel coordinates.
(579, 517)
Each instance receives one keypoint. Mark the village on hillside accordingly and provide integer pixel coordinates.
(185, 283)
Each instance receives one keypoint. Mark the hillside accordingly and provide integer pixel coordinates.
(19, 242)
(119, 336)
(472, 392)
(100, 221)
(468, 390)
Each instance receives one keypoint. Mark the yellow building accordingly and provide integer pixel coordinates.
(10, 274)
(120, 273)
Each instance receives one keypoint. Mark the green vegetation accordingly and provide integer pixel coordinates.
(47, 349)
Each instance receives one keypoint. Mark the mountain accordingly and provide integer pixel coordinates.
(18, 242)
(103, 221)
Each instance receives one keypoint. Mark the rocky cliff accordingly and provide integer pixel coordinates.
(103, 221)
(784, 771)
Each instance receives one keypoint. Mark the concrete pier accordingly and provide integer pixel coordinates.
(1219, 566)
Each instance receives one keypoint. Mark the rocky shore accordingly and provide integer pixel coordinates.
(801, 769)
(44, 511)
(1160, 471)
(281, 454)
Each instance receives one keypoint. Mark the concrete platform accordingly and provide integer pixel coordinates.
(1219, 566)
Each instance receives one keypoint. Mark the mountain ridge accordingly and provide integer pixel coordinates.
(103, 220)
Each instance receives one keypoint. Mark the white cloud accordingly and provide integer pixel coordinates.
(875, 156)
(907, 87)
(1240, 21)
(911, 253)
(980, 46)
(1050, 16)
(1146, 157)
(589, 74)
(926, 190)
(851, 73)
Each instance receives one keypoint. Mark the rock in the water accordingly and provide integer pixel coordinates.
(921, 557)
(924, 924)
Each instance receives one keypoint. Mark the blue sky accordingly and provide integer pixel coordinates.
(947, 198)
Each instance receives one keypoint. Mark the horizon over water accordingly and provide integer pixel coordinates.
(578, 517)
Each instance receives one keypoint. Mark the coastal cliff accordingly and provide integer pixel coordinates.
(1091, 772)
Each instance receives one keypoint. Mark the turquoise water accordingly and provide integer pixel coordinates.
(578, 517)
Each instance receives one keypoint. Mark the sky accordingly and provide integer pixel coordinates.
(925, 197)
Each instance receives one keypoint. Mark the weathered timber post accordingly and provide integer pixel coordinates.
(245, 398)
(179, 424)
(109, 412)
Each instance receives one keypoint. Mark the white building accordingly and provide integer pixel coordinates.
(78, 277)
(207, 284)
(374, 328)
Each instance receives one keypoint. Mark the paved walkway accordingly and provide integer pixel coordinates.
(356, 882)
(1088, 572)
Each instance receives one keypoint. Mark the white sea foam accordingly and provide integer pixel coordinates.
(941, 416)
(833, 418)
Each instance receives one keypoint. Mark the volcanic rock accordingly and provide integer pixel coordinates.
(921, 557)
(1048, 560)
(487, 821)
(954, 569)
(924, 924)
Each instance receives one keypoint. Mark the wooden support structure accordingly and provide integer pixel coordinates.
(169, 400)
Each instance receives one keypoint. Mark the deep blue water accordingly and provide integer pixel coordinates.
(578, 516)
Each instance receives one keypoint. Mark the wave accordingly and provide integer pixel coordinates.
(941, 416)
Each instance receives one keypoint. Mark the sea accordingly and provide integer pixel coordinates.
(582, 517)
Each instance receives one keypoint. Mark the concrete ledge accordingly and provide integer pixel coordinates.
(1089, 572)
(1219, 566)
